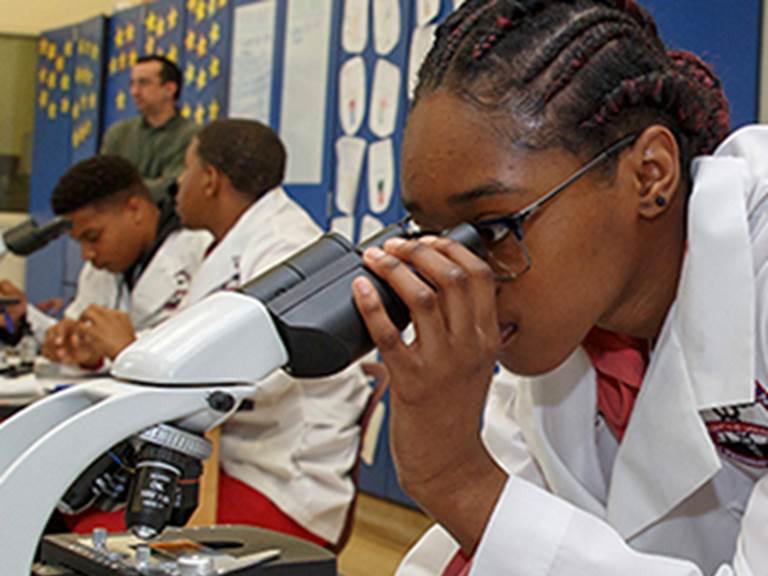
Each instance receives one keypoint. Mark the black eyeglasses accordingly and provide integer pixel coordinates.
(511, 260)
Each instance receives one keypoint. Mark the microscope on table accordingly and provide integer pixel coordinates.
(185, 377)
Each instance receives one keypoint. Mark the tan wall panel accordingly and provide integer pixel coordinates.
(34, 16)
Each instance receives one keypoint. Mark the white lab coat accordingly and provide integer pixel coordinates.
(300, 440)
(156, 295)
(668, 500)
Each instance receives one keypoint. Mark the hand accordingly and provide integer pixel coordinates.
(16, 311)
(51, 306)
(438, 382)
(63, 344)
(106, 330)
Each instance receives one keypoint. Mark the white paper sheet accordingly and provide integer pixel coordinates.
(421, 42)
(250, 86)
(426, 10)
(305, 89)
(350, 153)
(354, 31)
(369, 226)
(386, 25)
(344, 225)
(381, 175)
(385, 98)
(352, 94)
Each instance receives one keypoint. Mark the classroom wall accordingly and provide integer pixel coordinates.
(17, 64)
(33, 16)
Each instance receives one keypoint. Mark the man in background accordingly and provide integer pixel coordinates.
(154, 141)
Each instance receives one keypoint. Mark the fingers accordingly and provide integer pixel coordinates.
(384, 333)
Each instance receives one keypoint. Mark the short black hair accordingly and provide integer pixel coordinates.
(249, 153)
(169, 72)
(96, 180)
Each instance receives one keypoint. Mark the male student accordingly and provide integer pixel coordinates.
(139, 260)
(286, 462)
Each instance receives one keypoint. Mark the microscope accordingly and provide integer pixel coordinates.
(182, 379)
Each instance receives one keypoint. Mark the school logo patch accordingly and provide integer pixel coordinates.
(741, 432)
(182, 279)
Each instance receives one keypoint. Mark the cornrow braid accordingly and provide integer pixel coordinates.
(449, 37)
(594, 41)
(718, 111)
(581, 26)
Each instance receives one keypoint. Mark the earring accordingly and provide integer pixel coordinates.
(660, 201)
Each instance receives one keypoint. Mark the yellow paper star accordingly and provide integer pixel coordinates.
(60, 64)
(200, 12)
(52, 111)
(173, 53)
(130, 32)
(215, 34)
(190, 73)
(133, 57)
(75, 139)
(113, 65)
(121, 60)
(191, 5)
(211, 8)
(215, 66)
(65, 105)
(51, 51)
(52, 81)
(94, 52)
(199, 114)
(150, 22)
(190, 41)
(160, 27)
(92, 100)
(222, 3)
(119, 37)
(42, 98)
(186, 111)
(83, 102)
(173, 18)
(202, 79)
(68, 49)
(42, 47)
(42, 75)
(149, 45)
(65, 82)
(213, 110)
(76, 111)
(120, 101)
(202, 47)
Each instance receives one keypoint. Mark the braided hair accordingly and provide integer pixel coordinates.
(578, 74)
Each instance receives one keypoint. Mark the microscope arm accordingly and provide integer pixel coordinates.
(212, 350)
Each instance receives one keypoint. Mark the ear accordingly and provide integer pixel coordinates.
(212, 180)
(656, 164)
(133, 207)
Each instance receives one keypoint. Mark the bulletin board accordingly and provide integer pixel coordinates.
(67, 127)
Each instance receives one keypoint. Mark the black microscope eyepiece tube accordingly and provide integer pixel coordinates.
(310, 299)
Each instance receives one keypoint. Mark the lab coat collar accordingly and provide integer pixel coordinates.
(221, 268)
(704, 357)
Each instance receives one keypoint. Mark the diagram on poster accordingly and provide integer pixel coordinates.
(344, 225)
(250, 89)
(386, 25)
(306, 63)
(426, 10)
(385, 98)
(350, 153)
(381, 175)
(421, 42)
(352, 95)
(354, 32)
(369, 226)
